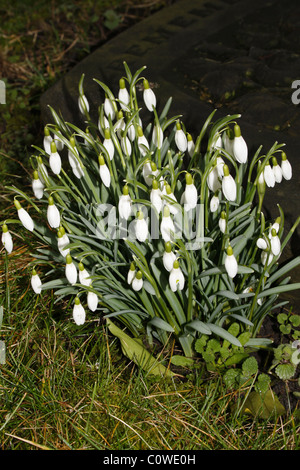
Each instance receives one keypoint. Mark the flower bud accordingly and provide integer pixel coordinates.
(55, 160)
(36, 282)
(108, 144)
(125, 204)
(104, 172)
(37, 185)
(228, 185)
(53, 214)
(24, 217)
(286, 167)
(84, 276)
(141, 227)
(138, 282)
(78, 312)
(123, 95)
(180, 138)
(239, 146)
(6, 239)
(176, 277)
(149, 96)
(70, 270)
(231, 265)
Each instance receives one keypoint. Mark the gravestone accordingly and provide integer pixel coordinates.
(233, 55)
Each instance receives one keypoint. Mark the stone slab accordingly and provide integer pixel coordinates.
(234, 55)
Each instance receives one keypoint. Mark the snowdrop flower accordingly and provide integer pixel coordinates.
(239, 146)
(149, 96)
(83, 104)
(190, 195)
(142, 141)
(218, 143)
(180, 138)
(74, 160)
(137, 282)
(266, 257)
(261, 243)
(92, 301)
(123, 95)
(155, 196)
(173, 204)
(58, 142)
(269, 176)
(108, 144)
(275, 243)
(6, 239)
(228, 185)
(176, 277)
(109, 108)
(214, 203)
(78, 312)
(222, 222)
(36, 283)
(42, 170)
(231, 265)
(47, 140)
(190, 145)
(213, 181)
(84, 276)
(168, 257)
(70, 270)
(286, 167)
(131, 273)
(125, 204)
(104, 172)
(53, 214)
(126, 145)
(62, 242)
(157, 136)
(167, 227)
(220, 167)
(55, 160)
(37, 185)
(120, 124)
(277, 171)
(24, 217)
(275, 226)
(141, 227)
(149, 172)
(228, 141)
(131, 132)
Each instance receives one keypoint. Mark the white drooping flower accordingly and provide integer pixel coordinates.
(36, 283)
(62, 242)
(37, 185)
(231, 264)
(261, 243)
(222, 222)
(190, 145)
(141, 227)
(71, 270)
(42, 170)
(125, 204)
(214, 203)
(109, 108)
(228, 185)
(108, 144)
(126, 145)
(239, 146)
(190, 195)
(176, 277)
(131, 132)
(156, 196)
(74, 161)
(286, 167)
(6, 239)
(83, 104)
(168, 257)
(149, 171)
(228, 137)
(53, 214)
(142, 141)
(104, 172)
(269, 175)
(266, 257)
(137, 282)
(277, 171)
(131, 273)
(167, 227)
(92, 301)
(157, 136)
(180, 138)
(120, 125)
(47, 140)
(78, 312)
(220, 166)
(54, 159)
(24, 217)
(170, 199)
(275, 243)
(217, 142)
(213, 181)
(84, 276)
(123, 95)
(149, 96)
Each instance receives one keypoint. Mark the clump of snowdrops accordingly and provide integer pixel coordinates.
(159, 232)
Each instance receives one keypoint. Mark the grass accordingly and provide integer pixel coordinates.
(62, 388)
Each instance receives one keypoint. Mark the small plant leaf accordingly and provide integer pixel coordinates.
(263, 405)
(182, 361)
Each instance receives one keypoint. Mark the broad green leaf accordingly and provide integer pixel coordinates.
(224, 334)
(182, 361)
(136, 352)
(199, 326)
(279, 290)
(160, 323)
(263, 405)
